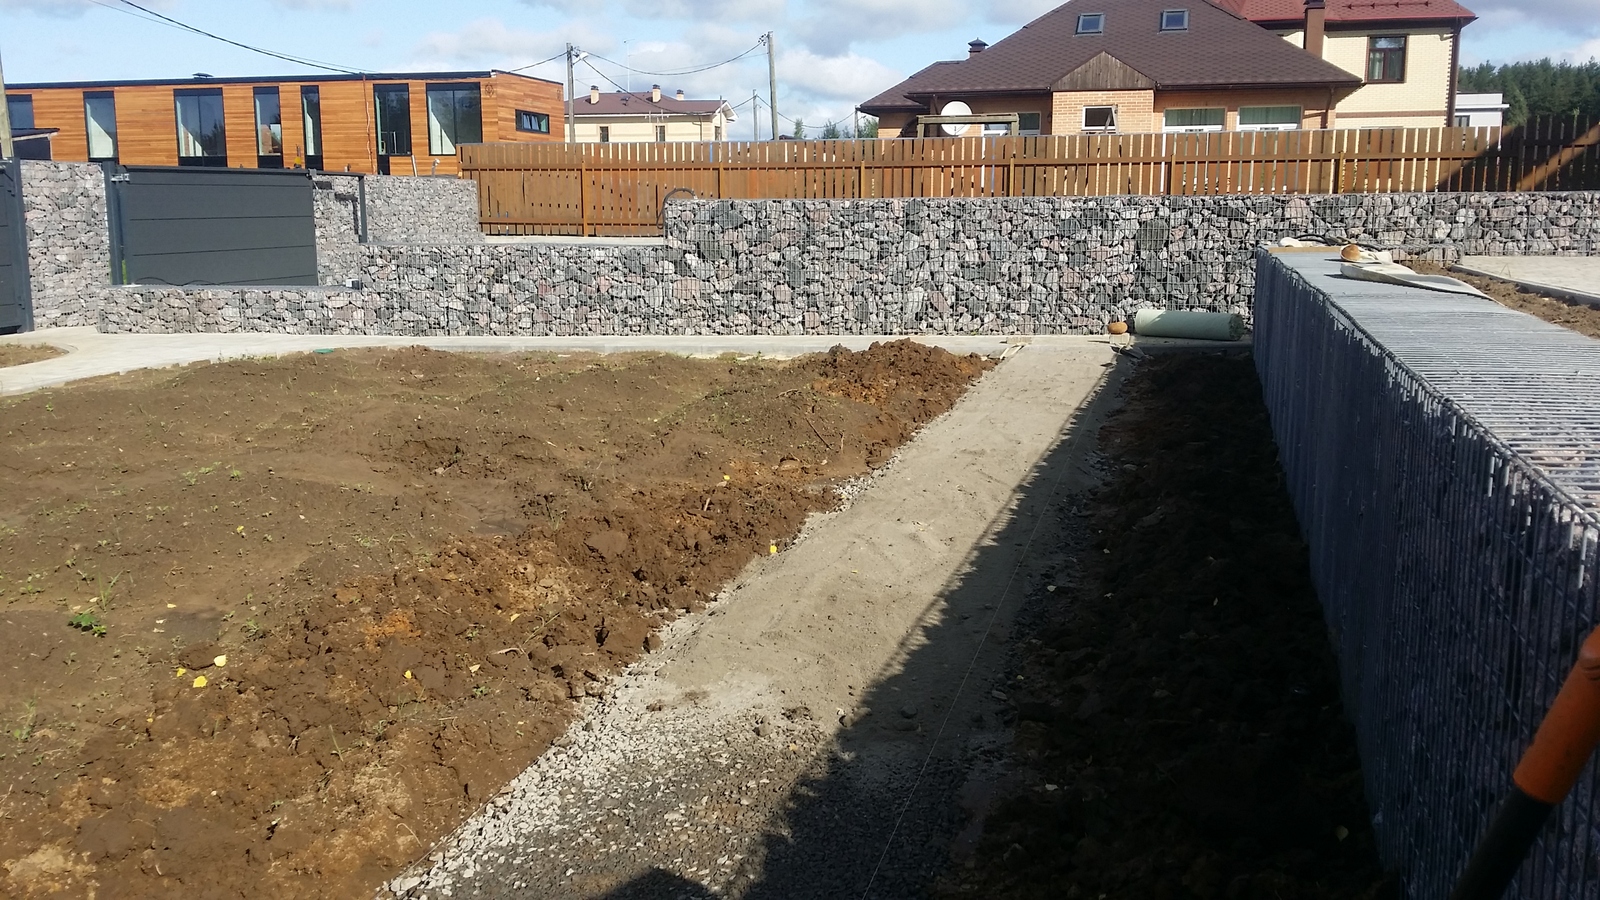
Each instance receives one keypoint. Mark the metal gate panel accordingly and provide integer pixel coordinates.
(204, 227)
(16, 301)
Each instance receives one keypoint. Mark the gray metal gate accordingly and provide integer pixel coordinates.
(211, 226)
(16, 300)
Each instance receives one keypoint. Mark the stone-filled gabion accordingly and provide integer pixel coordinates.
(69, 240)
(1002, 266)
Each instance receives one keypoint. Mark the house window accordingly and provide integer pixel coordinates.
(100, 118)
(1092, 23)
(1386, 59)
(393, 103)
(1463, 121)
(1175, 20)
(532, 122)
(1027, 124)
(202, 136)
(20, 106)
(311, 111)
(1099, 118)
(1193, 120)
(455, 116)
(661, 134)
(269, 128)
(1269, 118)
(717, 133)
(605, 134)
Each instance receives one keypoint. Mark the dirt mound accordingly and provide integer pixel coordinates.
(328, 605)
(1179, 730)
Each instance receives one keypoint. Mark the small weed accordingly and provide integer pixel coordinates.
(235, 475)
(21, 733)
(88, 623)
(252, 629)
(480, 691)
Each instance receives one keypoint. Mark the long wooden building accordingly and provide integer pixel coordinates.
(400, 124)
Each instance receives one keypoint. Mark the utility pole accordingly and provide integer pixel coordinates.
(572, 126)
(755, 114)
(7, 149)
(772, 80)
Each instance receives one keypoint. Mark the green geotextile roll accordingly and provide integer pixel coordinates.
(1200, 326)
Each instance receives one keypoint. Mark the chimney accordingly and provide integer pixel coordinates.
(680, 96)
(655, 93)
(1316, 25)
(594, 93)
(976, 47)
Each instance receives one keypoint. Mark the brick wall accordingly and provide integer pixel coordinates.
(1135, 110)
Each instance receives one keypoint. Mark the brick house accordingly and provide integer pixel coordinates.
(1128, 66)
(1406, 51)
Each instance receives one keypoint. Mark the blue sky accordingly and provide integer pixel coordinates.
(833, 54)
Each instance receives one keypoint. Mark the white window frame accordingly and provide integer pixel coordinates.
(1297, 125)
(1097, 129)
(1194, 129)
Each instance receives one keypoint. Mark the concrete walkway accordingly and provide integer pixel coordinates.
(1575, 278)
(91, 354)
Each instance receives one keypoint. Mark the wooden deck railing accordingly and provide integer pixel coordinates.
(619, 189)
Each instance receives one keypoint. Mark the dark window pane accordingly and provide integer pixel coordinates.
(1091, 23)
(21, 109)
(100, 118)
(269, 123)
(311, 110)
(201, 132)
(455, 116)
(532, 122)
(393, 103)
(1028, 123)
(1175, 20)
(1104, 117)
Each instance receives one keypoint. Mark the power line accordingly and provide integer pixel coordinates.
(537, 64)
(153, 16)
(693, 71)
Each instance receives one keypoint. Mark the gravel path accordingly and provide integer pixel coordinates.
(828, 727)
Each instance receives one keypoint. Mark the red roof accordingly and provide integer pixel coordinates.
(1351, 12)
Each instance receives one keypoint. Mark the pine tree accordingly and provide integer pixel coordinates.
(830, 132)
(799, 130)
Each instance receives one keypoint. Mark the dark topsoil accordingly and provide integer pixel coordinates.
(269, 628)
(1180, 732)
(22, 354)
(1579, 317)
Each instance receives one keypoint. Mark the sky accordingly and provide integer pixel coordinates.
(831, 54)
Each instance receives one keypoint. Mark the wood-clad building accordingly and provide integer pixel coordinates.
(399, 124)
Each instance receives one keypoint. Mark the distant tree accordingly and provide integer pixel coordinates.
(868, 129)
(799, 130)
(1539, 88)
(830, 132)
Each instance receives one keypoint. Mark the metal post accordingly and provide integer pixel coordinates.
(755, 115)
(772, 82)
(572, 127)
(8, 150)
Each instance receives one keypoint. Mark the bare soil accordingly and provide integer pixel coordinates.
(1179, 727)
(1579, 317)
(22, 354)
(273, 627)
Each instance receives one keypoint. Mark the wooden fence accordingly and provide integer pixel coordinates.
(620, 189)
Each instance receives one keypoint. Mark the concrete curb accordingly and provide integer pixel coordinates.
(1550, 290)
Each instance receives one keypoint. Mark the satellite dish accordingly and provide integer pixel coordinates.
(956, 108)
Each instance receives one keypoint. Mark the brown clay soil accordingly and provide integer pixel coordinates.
(1579, 317)
(1180, 732)
(272, 627)
(22, 354)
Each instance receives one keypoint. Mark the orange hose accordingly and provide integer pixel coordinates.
(1569, 734)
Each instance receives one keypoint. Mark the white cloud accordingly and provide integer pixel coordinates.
(830, 26)
(67, 7)
(850, 77)
(1584, 52)
(708, 11)
(1579, 15)
(491, 43)
(1018, 12)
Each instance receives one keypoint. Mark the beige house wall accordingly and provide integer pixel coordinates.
(1313, 104)
(1135, 110)
(642, 130)
(1421, 101)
